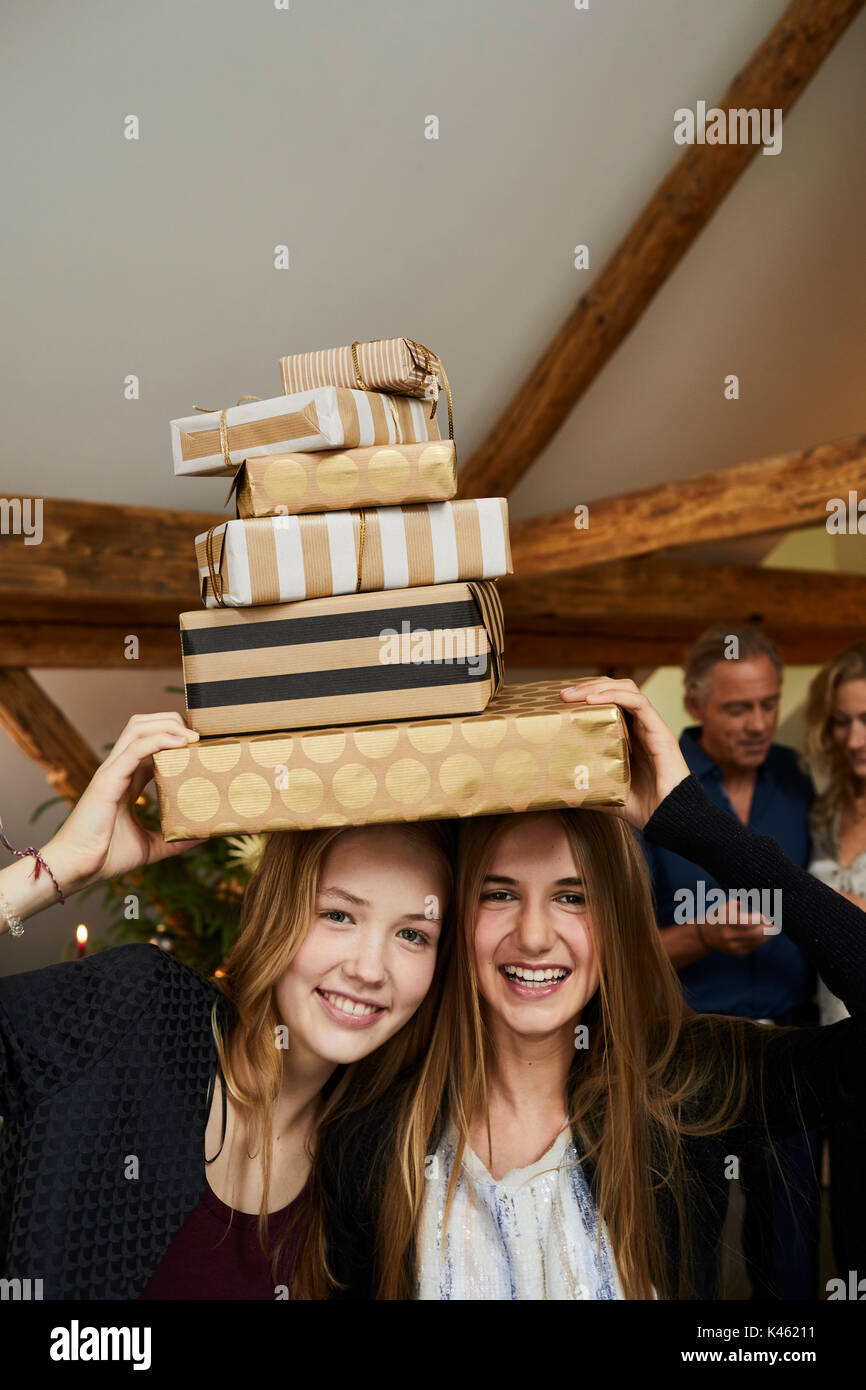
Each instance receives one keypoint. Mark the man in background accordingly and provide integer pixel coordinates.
(727, 962)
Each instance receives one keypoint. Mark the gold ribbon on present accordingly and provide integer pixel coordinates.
(489, 606)
(428, 362)
(431, 364)
(216, 583)
(224, 429)
(361, 549)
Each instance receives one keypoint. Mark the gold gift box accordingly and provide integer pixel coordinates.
(527, 751)
(345, 478)
(281, 559)
(398, 365)
(329, 417)
(397, 654)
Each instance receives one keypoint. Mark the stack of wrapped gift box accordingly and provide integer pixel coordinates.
(346, 664)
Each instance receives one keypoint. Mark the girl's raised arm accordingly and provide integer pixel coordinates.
(811, 1076)
(101, 838)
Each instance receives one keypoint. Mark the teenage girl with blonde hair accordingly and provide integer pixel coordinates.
(836, 753)
(126, 1171)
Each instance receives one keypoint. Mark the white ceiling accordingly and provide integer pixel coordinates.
(306, 127)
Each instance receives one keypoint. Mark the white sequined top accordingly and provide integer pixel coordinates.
(531, 1235)
(845, 878)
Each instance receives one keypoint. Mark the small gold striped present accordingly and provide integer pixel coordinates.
(336, 479)
(329, 417)
(527, 751)
(405, 654)
(399, 365)
(282, 559)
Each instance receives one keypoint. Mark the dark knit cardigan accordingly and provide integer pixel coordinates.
(105, 1068)
(107, 1064)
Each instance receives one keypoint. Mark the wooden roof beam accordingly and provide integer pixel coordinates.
(98, 559)
(42, 731)
(774, 494)
(667, 226)
(645, 645)
(82, 644)
(662, 591)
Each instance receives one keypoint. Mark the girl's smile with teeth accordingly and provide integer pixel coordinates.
(536, 974)
(344, 1008)
(534, 981)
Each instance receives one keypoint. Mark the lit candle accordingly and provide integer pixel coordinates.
(81, 938)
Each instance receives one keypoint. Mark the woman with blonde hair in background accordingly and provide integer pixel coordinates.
(122, 1173)
(836, 753)
(574, 1127)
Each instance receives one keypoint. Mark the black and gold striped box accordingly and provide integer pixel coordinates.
(351, 659)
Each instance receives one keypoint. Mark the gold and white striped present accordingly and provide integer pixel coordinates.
(405, 654)
(399, 365)
(329, 417)
(282, 559)
(337, 479)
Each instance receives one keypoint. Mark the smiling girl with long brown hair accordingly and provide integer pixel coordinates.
(126, 1171)
(574, 1135)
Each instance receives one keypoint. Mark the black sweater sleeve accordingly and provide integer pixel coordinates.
(58, 1022)
(808, 1076)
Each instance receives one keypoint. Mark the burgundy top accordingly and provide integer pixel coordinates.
(216, 1254)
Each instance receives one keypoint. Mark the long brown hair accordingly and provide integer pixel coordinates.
(654, 1074)
(276, 913)
(826, 758)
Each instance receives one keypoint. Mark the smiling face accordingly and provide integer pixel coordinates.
(848, 724)
(534, 955)
(738, 711)
(368, 958)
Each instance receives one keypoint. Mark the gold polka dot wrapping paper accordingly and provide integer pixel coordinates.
(381, 475)
(527, 751)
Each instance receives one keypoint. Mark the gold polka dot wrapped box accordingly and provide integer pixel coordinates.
(527, 751)
(383, 474)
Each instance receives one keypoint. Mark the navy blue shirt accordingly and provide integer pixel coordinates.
(775, 978)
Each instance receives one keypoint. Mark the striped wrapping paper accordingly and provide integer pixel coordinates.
(387, 364)
(282, 559)
(326, 418)
(405, 654)
(336, 479)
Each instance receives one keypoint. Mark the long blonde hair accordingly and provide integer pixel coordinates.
(826, 759)
(277, 911)
(654, 1074)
